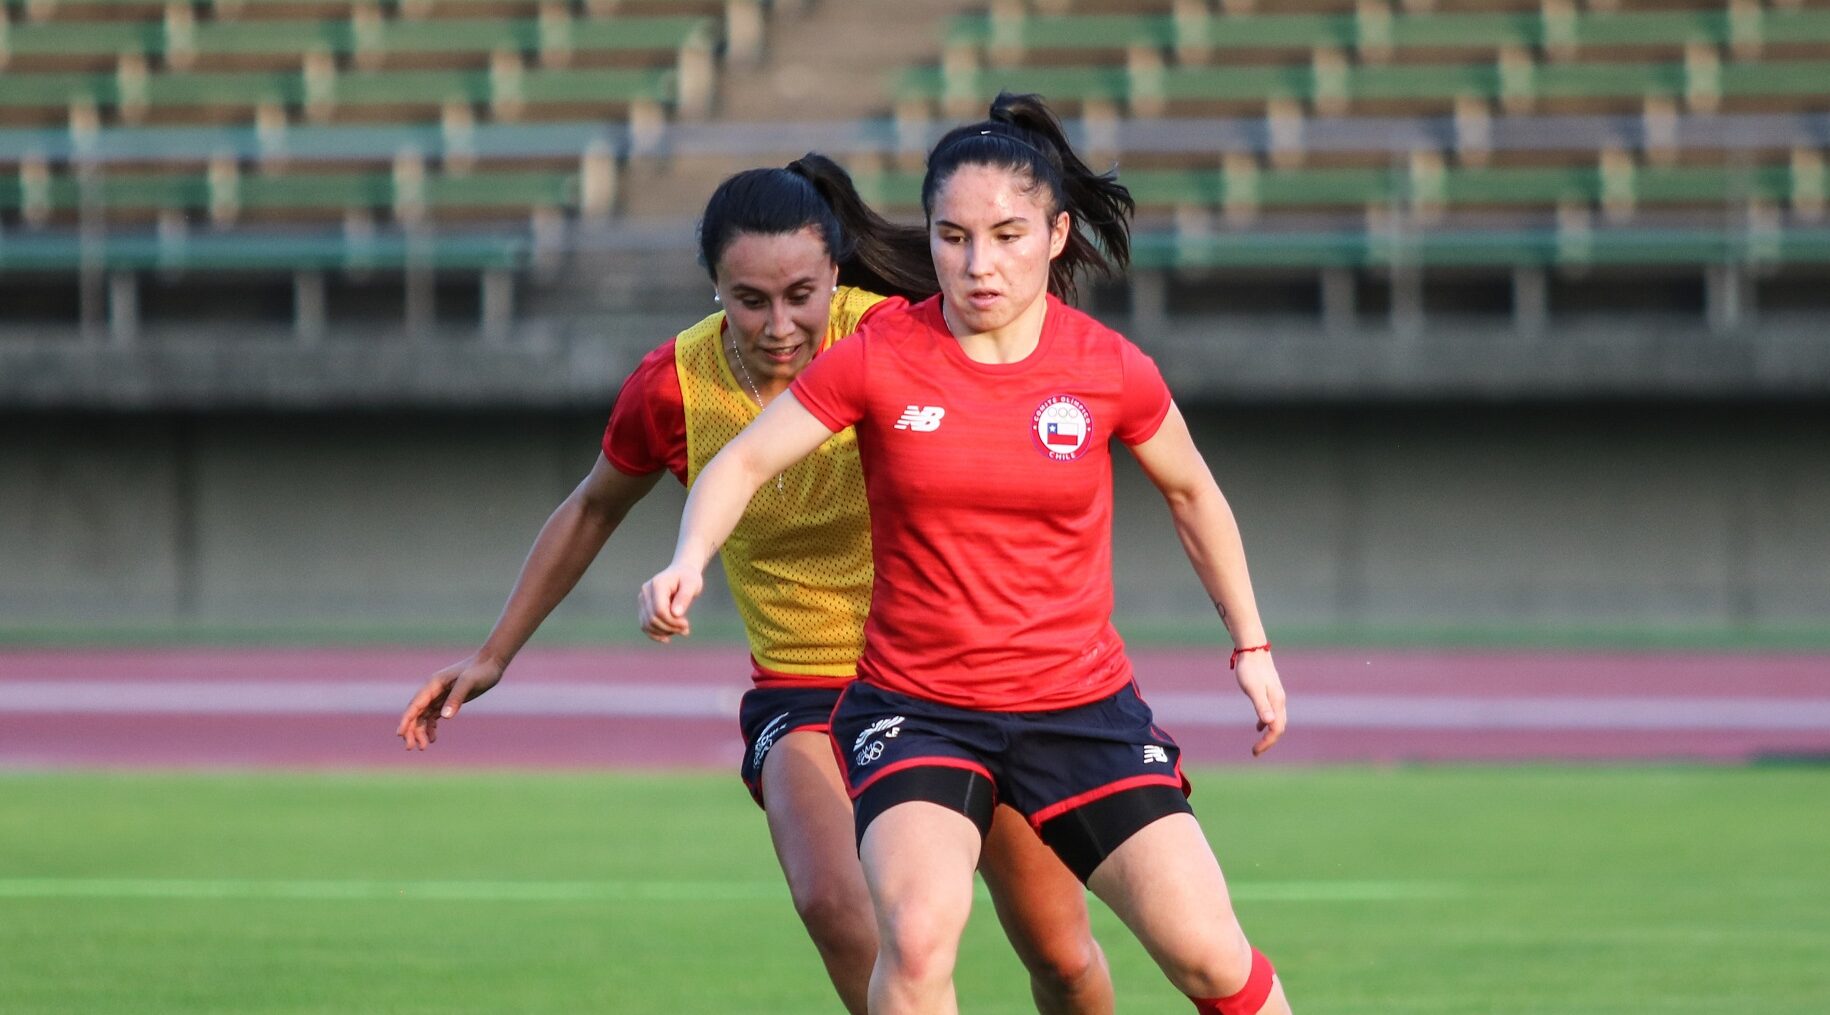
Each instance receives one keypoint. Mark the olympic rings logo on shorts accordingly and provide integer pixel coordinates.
(869, 754)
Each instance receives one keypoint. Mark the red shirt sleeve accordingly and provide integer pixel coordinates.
(832, 386)
(1145, 400)
(647, 428)
(888, 303)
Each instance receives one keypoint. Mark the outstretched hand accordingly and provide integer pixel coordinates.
(1258, 679)
(441, 697)
(665, 600)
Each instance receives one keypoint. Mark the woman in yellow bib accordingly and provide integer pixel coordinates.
(798, 262)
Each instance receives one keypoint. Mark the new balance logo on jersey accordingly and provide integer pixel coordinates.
(1154, 755)
(921, 418)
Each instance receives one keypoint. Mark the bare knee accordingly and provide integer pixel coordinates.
(920, 945)
(1061, 966)
(1215, 966)
(839, 923)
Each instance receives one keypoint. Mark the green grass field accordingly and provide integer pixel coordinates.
(1414, 890)
(577, 629)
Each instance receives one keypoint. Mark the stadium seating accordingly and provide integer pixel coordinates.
(1194, 59)
(62, 251)
(1378, 32)
(1454, 132)
(1336, 87)
(1315, 132)
(305, 134)
(225, 194)
(1427, 182)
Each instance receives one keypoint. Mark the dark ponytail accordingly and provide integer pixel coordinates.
(884, 257)
(814, 192)
(1024, 137)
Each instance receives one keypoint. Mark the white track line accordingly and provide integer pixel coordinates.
(673, 701)
(596, 891)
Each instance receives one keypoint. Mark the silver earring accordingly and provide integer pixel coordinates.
(716, 298)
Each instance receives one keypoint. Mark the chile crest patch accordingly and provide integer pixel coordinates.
(1063, 427)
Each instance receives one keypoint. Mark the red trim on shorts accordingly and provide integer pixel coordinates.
(1061, 807)
(931, 761)
(755, 788)
(831, 741)
(762, 676)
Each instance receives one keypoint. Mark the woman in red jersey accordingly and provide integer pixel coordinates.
(794, 255)
(991, 671)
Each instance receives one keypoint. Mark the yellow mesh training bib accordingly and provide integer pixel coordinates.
(799, 562)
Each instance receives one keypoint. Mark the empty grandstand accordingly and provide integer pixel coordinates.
(216, 215)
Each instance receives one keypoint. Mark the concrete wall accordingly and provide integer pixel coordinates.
(1555, 515)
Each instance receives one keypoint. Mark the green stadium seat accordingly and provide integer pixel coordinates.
(299, 195)
(234, 90)
(1777, 79)
(279, 41)
(1458, 31)
(1335, 88)
(1082, 33)
(1598, 33)
(598, 86)
(500, 191)
(74, 44)
(630, 35)
(261, 252)
(1461, 186)
(1518, 185)
(1810, 26)
(389, 88)
(285, 40)
(54, 92)
(1712, 184)
(1605, 31)
(321, 193)
(1255, 249)
(49, 95)
(1266, 32)
(1321, 187)
(1616, 83)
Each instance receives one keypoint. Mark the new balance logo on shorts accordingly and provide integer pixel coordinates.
(1154, 755)
(921, 418)
(880, 726)
(867, 753)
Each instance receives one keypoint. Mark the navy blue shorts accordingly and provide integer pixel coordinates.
(1086, 778)
(767, 714)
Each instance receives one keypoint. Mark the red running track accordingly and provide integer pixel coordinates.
(1360, 704)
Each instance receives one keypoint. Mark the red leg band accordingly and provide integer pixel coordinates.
(1250, 997)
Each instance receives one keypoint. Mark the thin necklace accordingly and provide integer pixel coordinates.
(754, 390)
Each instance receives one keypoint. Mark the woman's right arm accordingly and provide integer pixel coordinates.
(569, 541)
(784, 434)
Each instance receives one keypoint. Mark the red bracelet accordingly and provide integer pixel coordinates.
(1233, 663)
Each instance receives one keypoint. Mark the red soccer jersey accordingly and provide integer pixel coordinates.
(647, 428)
(990, 490)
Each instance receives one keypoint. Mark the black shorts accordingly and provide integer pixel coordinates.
(1086, 777)
(767, 714)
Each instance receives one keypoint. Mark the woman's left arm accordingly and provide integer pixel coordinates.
(1210, 536)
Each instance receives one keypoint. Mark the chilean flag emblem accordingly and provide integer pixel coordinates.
(1063, 427)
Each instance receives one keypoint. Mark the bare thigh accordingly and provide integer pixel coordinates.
(809, 813)
(1040, 902)
(1165, 884)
